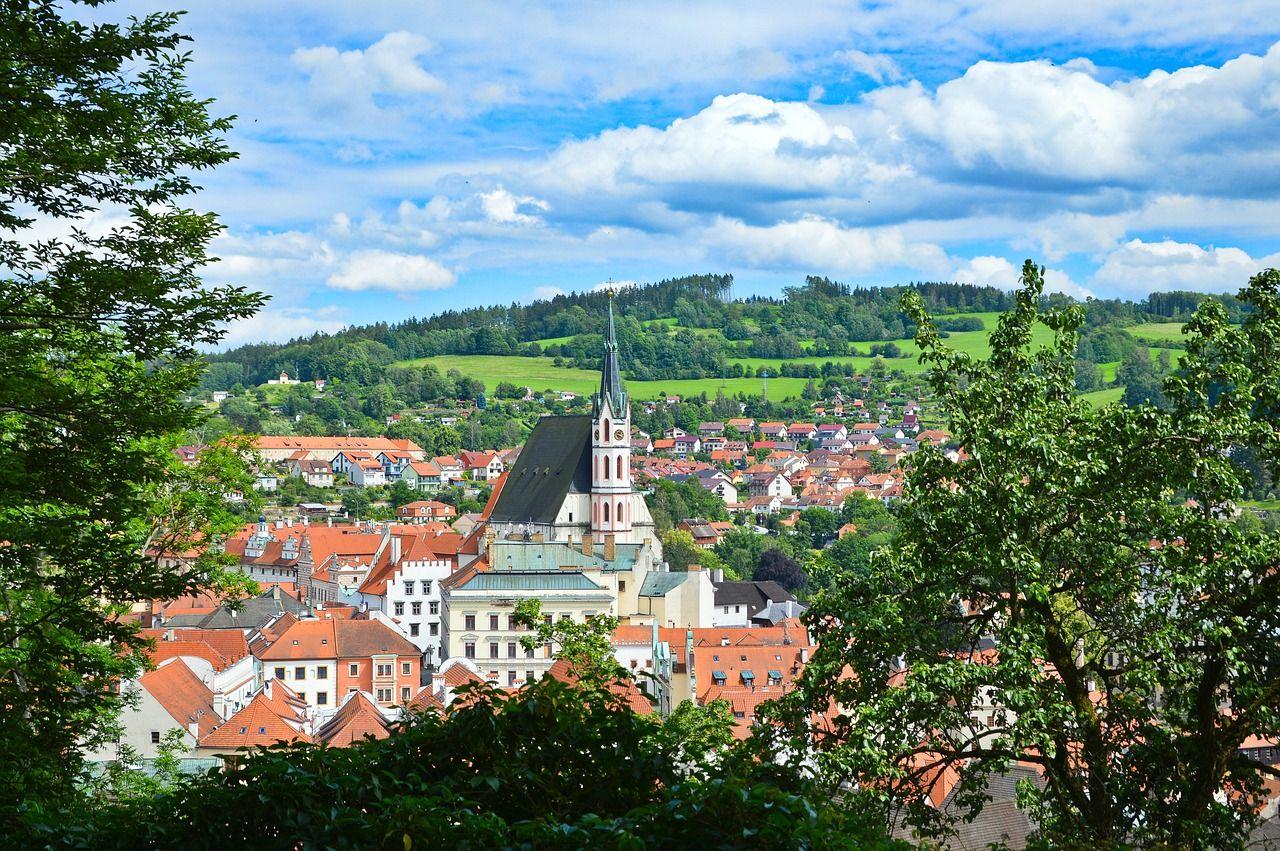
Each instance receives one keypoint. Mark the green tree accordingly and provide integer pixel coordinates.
(679, 550)
(357, 503)
(588, 645)
(1129, 673)
(98, 348)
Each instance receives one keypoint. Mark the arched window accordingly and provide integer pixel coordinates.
(606, 428)
(619, 515)
(606, 512)
(619, 467)
(606, 467)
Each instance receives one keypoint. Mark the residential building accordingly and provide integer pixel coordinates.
(736, 603)
(277, 448)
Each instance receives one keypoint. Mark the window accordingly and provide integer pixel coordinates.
(511, 677)
(433, 607)
(384, 669)
(564, 616)
(528, 653)
(528, 676)
(354, 669)
(619, 476)
(493, 621)
(606, 512)
(300, 673)
(416, 607)
(493, 650)
(469, 621)
(426, 586)
(384, 695)
(512, 626)
(155, 737)
(408, 588)
(279, 673)
(413, 629)
(433, 628)
(511, 650)
(322, 672)
(322, 698)
(399, 609)
(546, 619)
(404, 694)
(406, 668)
(737, 609)
(622, 585)
(469, 650)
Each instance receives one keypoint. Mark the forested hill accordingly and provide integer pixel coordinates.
(819, 317)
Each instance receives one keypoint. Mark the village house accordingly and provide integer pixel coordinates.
(425, 511)
(318, 474)
(423, 476)
(275, 449)
(482, 466)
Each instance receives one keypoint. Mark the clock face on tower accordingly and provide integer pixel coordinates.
(617, 435)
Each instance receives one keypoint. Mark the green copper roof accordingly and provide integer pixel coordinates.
(659, 584)
(530, 580)
(545, 555)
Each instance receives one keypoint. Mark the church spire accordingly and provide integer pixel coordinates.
(610, 375)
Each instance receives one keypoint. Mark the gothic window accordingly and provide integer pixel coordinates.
(619, 467)
(619, 514)
(606, 512)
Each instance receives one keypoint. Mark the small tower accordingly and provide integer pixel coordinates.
(611, 502)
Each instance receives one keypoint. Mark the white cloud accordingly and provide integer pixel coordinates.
(278, 325)
(877, 66)
(352, 78)
(546, 292)
(999, 272)
(503, 207)
(823, 246)
(375, 269)
(1139, 267)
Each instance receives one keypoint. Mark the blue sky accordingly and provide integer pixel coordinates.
(398, 159)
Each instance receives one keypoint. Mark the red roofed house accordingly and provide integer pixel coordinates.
(425, 510)
(482, 466)
(218, 657)
(170, 698)
(276, 714)
(323, 660)
(423, 476)
(802, 431)
(358, 718)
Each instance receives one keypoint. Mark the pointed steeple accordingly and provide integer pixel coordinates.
(610, 375)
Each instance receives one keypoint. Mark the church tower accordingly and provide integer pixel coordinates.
(611, 496)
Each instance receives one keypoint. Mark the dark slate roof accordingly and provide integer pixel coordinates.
(253, 613)
(754, 595)
(555, 461)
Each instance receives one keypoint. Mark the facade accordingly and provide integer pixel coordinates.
(274, 448)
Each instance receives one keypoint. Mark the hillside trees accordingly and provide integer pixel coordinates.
(1073, 595)
(100, 327)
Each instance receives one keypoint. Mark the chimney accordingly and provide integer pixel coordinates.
(717, 575)
(588, 548)
(194, 729)
(694, 568)
(804, 654)
(610, 547)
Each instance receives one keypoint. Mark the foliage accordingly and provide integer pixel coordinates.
(552, 766)
(587, 645)
(778, 567)
(100, 330)
(1131, 622)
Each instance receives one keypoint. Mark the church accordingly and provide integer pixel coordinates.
(573, 477)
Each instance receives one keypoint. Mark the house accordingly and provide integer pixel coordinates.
(357, 719)
(265, 480)
(220, 396)
(315, 473)
(426, 510)
(772, 483)
(407, 587)
(423, 476)
(719, 484)
(760, 505)
(704, 534)
(322, 660)
(220, 658)
(451, 468)
(642, 443)
(743, 425)
(367, 473)
(393, 462)
(344, 462)
(802, 431)
(685, 445)
(274, 448)
(482, 466)
(772, 431)
(275, 714)
(666, 444)
(169, 700)
(832, 432)
(736, 603)
(706, 430)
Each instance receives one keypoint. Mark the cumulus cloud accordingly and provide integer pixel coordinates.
(505, 208)
(353, 78)
(823, 245)
(1139, 267)
(375, 269)
(546, 293)
(999, 272)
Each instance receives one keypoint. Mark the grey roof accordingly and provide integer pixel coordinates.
(610, 376)
(556, 461)
(252, 614)
(754, 595)
(775, 612)
(660, 584)
(530, 580)
(514, 556)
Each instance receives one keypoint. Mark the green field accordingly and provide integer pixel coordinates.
(1098, 398)
(1157, 330)
(541, 374)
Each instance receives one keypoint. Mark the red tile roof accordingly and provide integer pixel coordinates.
(357, 719)
(272, 716)
(177, 688)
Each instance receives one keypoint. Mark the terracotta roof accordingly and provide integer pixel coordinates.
(177, 688)
(626, 688)
(221, 648)
(357, 719)
(336, 639)
(367, 444)
(458, 674)
(272, 716)
(424, 701)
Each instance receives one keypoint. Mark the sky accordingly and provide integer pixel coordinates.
(399, 159)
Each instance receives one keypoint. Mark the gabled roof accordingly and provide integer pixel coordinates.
(177, 688)
(221, 648)
(624, 687)
(755, 595)
(357, 719)
(272, 716)
(556, 461)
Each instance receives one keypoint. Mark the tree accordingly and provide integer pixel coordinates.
(496, 770)
(94, 116)
(1129, 673)
(777, 566)
(588, 645)
(680, 551)
(356, 503)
